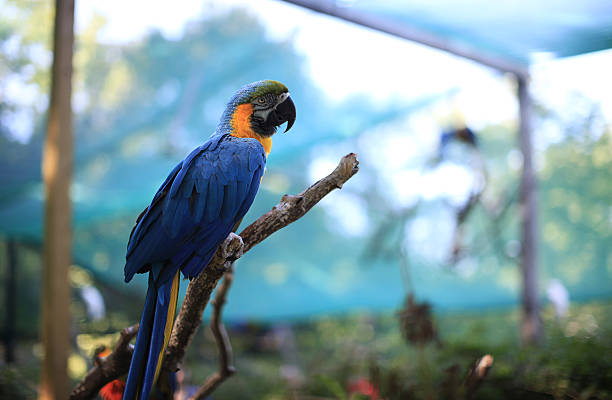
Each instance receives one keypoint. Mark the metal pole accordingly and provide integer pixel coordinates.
(57, 173)
(531, 328)
(10, 301)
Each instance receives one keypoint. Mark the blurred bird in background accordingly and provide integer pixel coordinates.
(462, 135)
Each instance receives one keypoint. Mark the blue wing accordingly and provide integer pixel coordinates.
(196, 207)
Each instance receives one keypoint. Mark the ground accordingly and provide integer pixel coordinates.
(338, 357)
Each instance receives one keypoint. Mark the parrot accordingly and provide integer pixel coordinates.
(465, 135)
(202, 201)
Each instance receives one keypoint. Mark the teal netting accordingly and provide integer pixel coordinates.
(142, 107)
(512, 30)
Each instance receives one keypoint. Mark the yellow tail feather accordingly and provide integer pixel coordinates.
(169, 321)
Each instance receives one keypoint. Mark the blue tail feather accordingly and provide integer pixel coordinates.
(150, 340)
(142, 343)
(157, 340)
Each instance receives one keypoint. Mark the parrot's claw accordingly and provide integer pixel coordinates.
(232, 248)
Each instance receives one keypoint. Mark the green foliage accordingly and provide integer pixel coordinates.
(332, 353)
(14, 386)
(575, 207)
(571, 362)
(28, 290)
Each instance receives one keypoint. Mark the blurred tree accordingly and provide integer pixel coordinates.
(57, 240)
(25, 39)
(576, 210)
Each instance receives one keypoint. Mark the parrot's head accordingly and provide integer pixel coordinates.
(258, 108)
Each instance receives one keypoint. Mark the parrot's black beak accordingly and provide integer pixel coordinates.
(285, 112)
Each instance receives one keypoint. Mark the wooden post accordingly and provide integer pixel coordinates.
(57, 172)
(531, 324)
(10, 301)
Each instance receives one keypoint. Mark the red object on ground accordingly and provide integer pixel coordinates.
(363, 386)
(113, 390)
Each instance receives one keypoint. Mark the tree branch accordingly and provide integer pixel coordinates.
(198, 293)
(226, 367)
(291, 208)
(287, 211)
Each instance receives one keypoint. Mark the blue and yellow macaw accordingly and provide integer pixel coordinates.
(202, 200)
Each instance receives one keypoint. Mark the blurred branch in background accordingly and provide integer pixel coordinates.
(390, 238)
(290, 209)
(226, 361)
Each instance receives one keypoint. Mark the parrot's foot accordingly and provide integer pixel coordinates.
(232, 249)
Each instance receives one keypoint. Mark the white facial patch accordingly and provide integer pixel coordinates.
(263, 114)
(282, 97)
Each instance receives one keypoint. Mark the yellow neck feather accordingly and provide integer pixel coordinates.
(241, 126)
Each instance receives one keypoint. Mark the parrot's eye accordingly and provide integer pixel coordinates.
(261, 100)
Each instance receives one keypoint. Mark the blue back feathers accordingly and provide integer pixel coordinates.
(197, 206)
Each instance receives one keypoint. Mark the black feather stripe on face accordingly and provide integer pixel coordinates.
(259, 126)
(265, 121)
